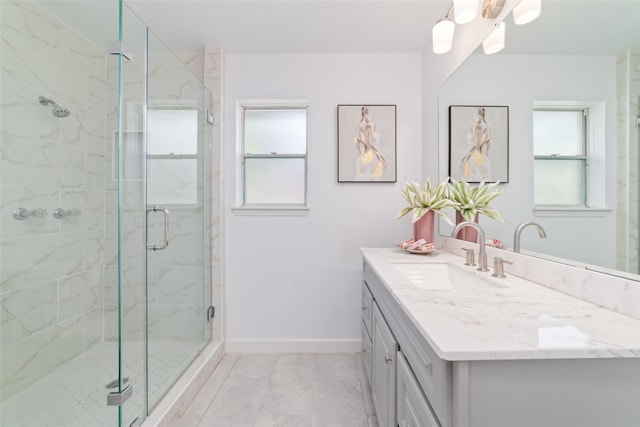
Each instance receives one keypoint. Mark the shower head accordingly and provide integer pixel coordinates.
(57, 111)
(60, 112)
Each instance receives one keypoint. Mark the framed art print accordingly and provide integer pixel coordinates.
(479, 143)
(366, 143)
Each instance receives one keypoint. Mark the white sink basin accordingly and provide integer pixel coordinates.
(443, 276)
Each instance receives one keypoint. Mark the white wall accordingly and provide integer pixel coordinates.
(517, 81)
(292, 279)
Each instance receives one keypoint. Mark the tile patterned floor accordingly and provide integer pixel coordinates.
(75, 394)
(282, 390)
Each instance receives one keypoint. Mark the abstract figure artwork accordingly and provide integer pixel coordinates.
(366, 143)
(479, 143)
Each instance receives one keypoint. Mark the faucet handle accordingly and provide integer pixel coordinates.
(61, 213)
(23, 213)
(470, 257)
(498, 267)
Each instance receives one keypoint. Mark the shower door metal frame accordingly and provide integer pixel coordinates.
(145, 225)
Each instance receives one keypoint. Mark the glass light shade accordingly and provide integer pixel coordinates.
(465, 10)
(526, 11)
(494, 41)
(443, 35)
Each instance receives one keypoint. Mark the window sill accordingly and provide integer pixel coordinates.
(257, 210)
(543, 211)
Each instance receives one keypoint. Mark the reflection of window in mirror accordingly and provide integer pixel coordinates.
(560, 166)
(172, 156)
(568, 154)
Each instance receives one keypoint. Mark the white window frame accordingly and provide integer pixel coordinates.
(583, 156)
(274, 209)
(595, 160)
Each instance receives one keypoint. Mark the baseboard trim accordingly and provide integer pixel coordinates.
(293, 346)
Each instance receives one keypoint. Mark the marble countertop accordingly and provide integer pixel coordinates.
(509, 319)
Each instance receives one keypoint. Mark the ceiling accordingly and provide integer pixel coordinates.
(319, 26)
(294, 26)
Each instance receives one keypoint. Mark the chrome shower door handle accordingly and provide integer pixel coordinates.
(165, 214)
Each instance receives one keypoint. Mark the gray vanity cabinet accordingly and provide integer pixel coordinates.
(396, 394)
(413, 387)
(424, 384)
(383, 364)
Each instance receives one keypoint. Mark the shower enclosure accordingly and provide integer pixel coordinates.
(106, 215)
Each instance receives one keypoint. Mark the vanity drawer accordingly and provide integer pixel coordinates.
(413, 409)
(367, 308)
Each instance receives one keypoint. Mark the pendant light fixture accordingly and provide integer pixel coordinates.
(443, 35)
(526, 11)
(465, 10)
(495, 40)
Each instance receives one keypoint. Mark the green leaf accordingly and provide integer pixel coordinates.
(475, 200)
(421, 199)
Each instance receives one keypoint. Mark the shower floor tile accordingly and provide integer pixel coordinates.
(75, 394)
(302, 390)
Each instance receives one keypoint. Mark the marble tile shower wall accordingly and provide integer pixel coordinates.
(214, 81)
(621, 156)
(51, 272)
(634, 159)
(628, 164)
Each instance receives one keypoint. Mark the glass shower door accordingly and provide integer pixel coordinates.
(178, 209)
(161, 163)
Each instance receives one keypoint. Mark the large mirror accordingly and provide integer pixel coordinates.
(576, 54)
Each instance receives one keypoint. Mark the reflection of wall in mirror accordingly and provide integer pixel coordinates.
(517, 81)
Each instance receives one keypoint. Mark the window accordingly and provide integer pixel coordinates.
(561, 162)
(173, 156)
(274, 155)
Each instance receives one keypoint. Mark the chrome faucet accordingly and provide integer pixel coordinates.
(482, 251)
(518, 232)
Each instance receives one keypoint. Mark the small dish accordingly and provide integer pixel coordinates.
(419, 252)
(494, 243)
(420, 247)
